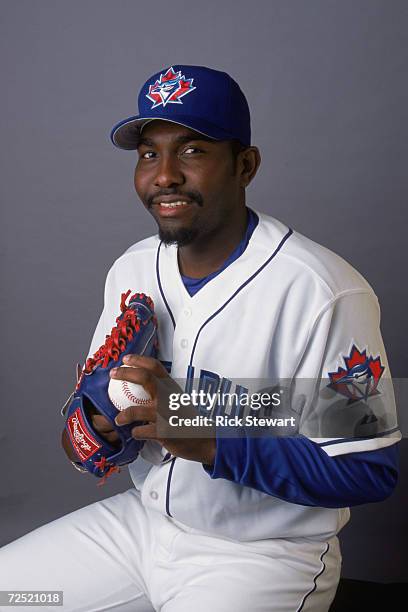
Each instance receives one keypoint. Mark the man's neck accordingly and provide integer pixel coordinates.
(206, 255)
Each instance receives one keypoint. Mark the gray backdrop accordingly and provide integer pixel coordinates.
(326, 83)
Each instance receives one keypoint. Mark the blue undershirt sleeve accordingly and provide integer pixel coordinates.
(297, 470)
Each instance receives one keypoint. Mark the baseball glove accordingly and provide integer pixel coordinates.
(135, 332)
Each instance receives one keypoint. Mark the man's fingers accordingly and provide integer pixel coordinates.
(139, 375)
(101, 423)
(111, 437)
(137, 413)
(145, 432)
(148, 363)
(104, 427)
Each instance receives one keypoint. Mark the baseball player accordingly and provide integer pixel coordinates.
(225, 522)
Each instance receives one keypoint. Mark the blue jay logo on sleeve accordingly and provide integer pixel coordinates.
(170, 88)
(359, 379)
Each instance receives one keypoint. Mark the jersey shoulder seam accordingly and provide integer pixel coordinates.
(318, 276)
(135, 250)
(335, 299)
(326, 307)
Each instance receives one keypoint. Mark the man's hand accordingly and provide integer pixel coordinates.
(152, 375)
(101, 424)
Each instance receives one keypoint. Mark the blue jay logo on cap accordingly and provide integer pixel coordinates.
(169, 88)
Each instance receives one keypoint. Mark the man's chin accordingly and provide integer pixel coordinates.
(181, 236)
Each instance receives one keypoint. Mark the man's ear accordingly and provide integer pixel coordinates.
(249, 164)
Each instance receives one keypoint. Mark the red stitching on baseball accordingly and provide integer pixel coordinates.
(117, 406)
(131, 397)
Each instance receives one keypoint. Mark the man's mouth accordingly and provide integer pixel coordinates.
(172, 208)
(173, 204)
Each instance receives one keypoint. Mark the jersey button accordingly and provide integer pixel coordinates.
(154, 495)
(184, 343)
(187, 312)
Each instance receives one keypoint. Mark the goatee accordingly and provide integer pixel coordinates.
(181, 236)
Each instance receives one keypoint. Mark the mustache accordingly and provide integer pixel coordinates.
(194, 196)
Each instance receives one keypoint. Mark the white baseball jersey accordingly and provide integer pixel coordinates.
(287, 308)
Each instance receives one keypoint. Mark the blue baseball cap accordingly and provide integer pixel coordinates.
(200, 98)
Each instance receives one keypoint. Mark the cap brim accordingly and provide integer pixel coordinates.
(126, 133)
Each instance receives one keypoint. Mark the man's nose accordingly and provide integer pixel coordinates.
(169, 172)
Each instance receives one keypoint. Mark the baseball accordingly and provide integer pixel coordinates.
(123, 394)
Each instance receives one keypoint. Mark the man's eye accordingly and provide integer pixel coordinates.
(191, 149)
(146, 155)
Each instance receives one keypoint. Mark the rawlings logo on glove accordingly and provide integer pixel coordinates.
(136, 333)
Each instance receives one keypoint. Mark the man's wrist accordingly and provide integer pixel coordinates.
(209, 458)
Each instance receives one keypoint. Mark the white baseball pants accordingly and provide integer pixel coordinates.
(114, 555)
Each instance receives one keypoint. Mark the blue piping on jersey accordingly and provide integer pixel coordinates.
(278, 248)
(341, 440)
(168, 486)
(315, 578)
(161, 288)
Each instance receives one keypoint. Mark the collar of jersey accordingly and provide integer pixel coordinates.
(236, 277)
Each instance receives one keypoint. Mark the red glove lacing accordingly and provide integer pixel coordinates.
(115, 343)
(101, 464)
